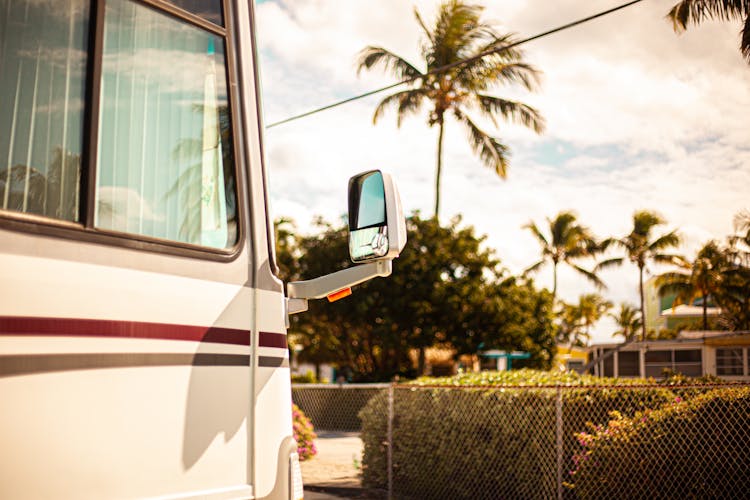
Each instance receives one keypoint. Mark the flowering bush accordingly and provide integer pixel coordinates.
(688, 448)
(303, 434)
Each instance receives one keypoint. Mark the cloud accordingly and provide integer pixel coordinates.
(638, 118)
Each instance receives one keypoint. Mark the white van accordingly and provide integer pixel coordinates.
(143, 349)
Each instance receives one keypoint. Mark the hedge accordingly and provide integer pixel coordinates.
(453, 441)
(690, 448)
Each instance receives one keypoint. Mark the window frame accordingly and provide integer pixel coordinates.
(673, 364)
(84, 230)
(744, 352)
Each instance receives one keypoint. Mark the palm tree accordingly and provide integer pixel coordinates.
(456, 80)
(703, 277)
(640, 247)
(578, 319)
(697, 11)
(628, 318)
(592, 308)
(568, 241)
(742, 225)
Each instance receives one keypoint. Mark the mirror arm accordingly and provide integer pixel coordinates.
(324, 286)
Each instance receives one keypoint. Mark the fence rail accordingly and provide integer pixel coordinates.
(626, 441)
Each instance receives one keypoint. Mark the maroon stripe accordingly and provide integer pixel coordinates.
(19, 325)
(267, 339)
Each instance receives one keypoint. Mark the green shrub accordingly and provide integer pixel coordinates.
(690, 448)
(303, 434)
(494, 441)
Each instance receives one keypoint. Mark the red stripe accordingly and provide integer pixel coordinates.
(19, 325)
(266, 339)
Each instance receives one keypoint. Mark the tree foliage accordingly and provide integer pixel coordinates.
(446, 290)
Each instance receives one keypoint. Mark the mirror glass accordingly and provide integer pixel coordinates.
(368, 228)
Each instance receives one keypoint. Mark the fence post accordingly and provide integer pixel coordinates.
(389, 437)
(559, 434)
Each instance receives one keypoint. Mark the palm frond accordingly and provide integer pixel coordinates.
(745, 40)
(493, 153)
(514, 111)
(644, 221)
(590, 275)
(696, 11)
(371, 56)
(605, 264)
(671, 239)
(606, 243)
(406, 102)
(422, 25)
(453, 33)
(488, 71)
(533, 268)
(531, 226)
(496, 42)
(669, 259)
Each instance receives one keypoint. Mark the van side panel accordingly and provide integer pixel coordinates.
(118, 382)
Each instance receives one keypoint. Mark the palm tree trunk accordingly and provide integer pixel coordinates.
(554, 282)
(705, 312)
(439, 166)
(643, 307)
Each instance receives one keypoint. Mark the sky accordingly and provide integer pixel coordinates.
(638, 117)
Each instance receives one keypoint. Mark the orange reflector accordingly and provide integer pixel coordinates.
(339, 295)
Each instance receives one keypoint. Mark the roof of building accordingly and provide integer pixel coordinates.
(713, 337)
(686, 311)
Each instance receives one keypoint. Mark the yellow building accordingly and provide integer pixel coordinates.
(663, 314)
(570, 358)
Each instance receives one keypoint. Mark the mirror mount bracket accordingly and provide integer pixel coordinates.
(299, 292)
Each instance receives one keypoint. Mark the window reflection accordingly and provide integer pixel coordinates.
(210, 10)
(165, 165)
(42, 77)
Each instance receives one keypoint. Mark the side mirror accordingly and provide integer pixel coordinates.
(377, 228)
(377, 234)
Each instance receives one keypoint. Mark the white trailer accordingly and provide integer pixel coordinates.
(143, 349)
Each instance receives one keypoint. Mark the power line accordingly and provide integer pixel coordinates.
(458, 63)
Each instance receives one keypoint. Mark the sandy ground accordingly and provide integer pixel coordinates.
(337, 463)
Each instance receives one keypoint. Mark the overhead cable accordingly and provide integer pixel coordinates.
(462, 62)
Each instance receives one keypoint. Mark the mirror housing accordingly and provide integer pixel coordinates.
(377, 227)
(377, 234)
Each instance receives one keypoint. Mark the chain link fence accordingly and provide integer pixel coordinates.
(334, 408)
(630, 441)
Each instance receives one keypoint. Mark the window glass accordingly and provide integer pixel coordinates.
(659, 357)
(165, 166)
(575, 365)
(42, 77)
(729, 361)
(210, 10)
(609, 363)
(628, 364)
(691, 356)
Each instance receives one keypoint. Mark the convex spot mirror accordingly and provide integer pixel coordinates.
(377, 228)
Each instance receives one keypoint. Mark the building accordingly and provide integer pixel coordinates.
(692, 353)
(571, 358)
(662, 314)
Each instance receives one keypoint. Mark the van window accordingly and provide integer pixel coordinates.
(43, 46)
(210, 10)
(165, 166)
